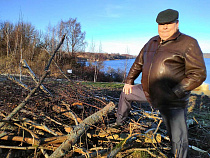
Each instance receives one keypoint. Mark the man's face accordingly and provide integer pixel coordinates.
(167, 30)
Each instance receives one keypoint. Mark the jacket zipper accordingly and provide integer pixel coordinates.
(148, 81)
(161, 44)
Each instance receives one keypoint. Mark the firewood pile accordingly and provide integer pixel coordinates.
(75, 121)
(65, 119)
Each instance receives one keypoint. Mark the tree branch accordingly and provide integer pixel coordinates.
(80, 129)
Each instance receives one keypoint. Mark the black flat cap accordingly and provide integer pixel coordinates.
(167, 16)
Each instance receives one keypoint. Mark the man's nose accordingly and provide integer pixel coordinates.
(165, 26)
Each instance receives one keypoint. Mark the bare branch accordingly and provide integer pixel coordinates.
(80, 129)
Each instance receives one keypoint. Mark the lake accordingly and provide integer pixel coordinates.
(120, 64)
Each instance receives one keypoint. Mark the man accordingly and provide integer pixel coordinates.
(172, 65)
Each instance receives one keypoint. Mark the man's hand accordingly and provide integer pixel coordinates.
(127, 89)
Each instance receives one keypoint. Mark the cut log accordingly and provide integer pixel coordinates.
(74, 135)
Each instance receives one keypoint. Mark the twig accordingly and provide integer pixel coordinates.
(157, 127)
(42, 127)
(44, 153)
(66, 113)
(35, 137)
(198, 149)
(120, 146)
(81, 151)
(144, 149)
(17, 147)
(97, 153)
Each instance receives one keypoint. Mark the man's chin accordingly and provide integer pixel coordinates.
(164, 37)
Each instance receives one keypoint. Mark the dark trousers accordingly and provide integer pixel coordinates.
(174, 119)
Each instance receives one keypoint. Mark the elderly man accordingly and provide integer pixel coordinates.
(172, 65)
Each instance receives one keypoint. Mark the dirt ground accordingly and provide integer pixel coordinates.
(11, 95)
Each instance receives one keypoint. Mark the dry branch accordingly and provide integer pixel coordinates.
(74, 135)
(17, 147)
(18, 82)
(53, 140)
(50, 60)
(41, 141)
(148, 150)
(122, 144)
(33, 76)
(42, 127)
(66, 113)
(20, 139)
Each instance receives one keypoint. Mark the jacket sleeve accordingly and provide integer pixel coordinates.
(195, 70)
(136, 68)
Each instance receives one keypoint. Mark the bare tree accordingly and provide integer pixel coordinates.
(51, 40)
(97, 60)
(100, 61)
(75, 38)
(24, 40)
(93, 61)
(7, 29)
(126, 64)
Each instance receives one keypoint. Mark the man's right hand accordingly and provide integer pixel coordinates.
(127, 89)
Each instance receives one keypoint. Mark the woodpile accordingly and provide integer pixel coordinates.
(72, 122)
(75, 122)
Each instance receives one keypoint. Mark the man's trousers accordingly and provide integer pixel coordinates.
(174, 119)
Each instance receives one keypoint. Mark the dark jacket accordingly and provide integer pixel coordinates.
(170, 70)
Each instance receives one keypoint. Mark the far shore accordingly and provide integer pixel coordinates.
(206, 55)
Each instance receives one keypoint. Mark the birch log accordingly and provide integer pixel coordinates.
(74, 135)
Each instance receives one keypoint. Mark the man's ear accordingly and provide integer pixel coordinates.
(177, 23)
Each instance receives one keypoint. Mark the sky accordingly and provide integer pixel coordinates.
(118, 26)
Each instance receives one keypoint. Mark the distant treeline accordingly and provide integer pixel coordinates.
(88, 56)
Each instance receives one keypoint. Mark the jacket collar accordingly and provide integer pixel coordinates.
(173, 37)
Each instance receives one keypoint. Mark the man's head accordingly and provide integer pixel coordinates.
(168, 23)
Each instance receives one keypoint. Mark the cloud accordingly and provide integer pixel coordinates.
(113, 11)
(123, 46)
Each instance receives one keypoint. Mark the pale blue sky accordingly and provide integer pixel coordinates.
(120, 25)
